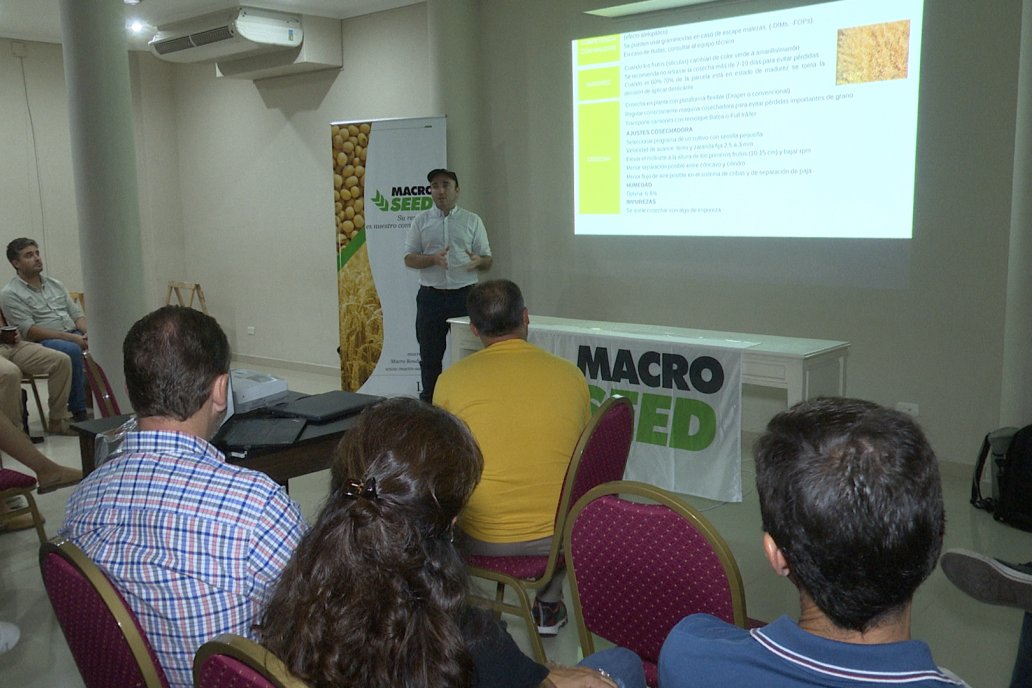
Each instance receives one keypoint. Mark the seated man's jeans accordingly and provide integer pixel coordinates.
(77, 397)
(622, 665)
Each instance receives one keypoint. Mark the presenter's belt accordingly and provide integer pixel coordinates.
(447, 291)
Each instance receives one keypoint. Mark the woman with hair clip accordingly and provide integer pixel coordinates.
(375, 594)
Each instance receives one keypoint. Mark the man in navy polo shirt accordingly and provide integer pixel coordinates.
(852, 512)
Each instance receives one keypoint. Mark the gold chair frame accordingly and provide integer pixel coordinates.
(29, 508)
(126, 621)
(522, 587)
(250, 653)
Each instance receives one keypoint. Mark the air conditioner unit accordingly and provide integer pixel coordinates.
(322, 49)
(228, 34)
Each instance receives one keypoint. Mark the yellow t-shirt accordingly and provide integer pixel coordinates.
(527, 409)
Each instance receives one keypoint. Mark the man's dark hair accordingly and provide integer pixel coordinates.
(172, 356)
(495, 307)
(15, 248)
(850, 492)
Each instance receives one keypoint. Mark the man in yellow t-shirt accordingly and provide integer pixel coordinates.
(527, 409)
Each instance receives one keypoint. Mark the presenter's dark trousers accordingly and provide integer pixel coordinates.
(433, 308)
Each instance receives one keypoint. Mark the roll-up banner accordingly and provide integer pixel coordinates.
(379, 182)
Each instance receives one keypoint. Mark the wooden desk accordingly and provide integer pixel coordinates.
(804, 368)
(313, 450)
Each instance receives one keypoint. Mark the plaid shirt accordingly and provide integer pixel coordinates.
(192, 543)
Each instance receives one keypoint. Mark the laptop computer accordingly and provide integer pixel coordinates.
(255, 433)
(322, 408)
(242, 433)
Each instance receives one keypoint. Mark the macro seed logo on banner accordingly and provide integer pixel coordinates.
(687, 406)
(379, 181)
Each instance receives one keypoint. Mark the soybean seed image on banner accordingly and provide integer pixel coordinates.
(361, 315)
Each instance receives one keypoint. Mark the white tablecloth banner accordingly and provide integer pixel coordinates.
(687, 400)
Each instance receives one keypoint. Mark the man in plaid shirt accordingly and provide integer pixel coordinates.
(192, 543)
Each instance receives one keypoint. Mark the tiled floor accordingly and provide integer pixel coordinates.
(974, 640)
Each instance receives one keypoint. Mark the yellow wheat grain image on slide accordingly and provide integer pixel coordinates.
(361, 321)
(878, 52)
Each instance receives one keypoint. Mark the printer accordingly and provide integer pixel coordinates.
(253, 390)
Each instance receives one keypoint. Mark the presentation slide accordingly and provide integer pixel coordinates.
(793, 123)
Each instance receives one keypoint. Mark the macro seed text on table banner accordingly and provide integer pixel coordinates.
(687, 399)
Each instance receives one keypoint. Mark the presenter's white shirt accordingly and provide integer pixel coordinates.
(459, 230)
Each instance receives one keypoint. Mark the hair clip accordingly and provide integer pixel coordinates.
(356, 489)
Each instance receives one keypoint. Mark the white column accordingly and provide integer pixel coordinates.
(96, 67)
(1016, 396)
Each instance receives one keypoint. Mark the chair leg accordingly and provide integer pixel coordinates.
(37, 518)
(535, 638)
(39, 403)
(521, 609)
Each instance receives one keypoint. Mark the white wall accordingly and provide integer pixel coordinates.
(257, 186)
(157, 153)
(48, 217)
(54, 223)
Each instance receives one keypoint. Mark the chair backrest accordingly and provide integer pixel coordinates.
(79, 298)
(107, 404)
(232, 661)
(599, 457)
(602, 452)
(103, 634)
(636, 568)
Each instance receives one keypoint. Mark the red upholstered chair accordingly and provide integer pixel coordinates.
(600, 456)
(107, 404)
(636, 568)
(232, 661)
(104, 636)
(14, 484)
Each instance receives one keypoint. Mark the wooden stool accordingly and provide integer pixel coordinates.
(193, 288)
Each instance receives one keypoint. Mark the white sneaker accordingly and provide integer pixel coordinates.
(9, 635)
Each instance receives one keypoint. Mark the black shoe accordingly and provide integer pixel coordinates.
(80, 416)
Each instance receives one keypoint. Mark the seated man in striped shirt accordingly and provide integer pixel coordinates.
(193, 544)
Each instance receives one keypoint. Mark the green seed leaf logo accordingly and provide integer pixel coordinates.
(380, 201)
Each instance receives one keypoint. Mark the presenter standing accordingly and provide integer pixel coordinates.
(448, 245)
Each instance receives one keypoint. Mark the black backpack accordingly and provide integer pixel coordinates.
(1011, 471)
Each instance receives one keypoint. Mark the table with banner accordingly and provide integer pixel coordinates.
(686, 387)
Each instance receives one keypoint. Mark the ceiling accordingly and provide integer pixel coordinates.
(40, 20)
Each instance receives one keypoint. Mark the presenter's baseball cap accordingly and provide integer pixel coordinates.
(448, 173)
